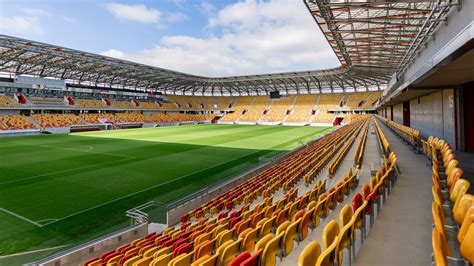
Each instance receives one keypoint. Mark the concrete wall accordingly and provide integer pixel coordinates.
(433, 114)
(78, 255)
(397, 113)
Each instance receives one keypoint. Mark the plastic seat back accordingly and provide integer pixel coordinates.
(262, 242)
(468, 220)
(440, 258)
(330, 232)
(230, 252)
(162, 260)
(271, 250)
(267, 226)
(248, 242)
(253, 260)
(328, 256)
(310, 254)
(182, 260)
(239, 259)
(304, 224)
(211, 261)
(460, 188)
(345, 238)
(439, 226)
(462, 206)
(467, 245)
(345, 215)
(291, 233)
(456, 173)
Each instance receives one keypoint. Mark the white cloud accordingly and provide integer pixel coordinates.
(26, 21)
(113, 53)
(174, 17)
(134, 12)
(21, 25)
(247, 37)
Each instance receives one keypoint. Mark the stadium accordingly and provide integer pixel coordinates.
(110, 161)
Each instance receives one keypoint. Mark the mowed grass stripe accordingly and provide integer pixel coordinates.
(111, 182)
(63, 194)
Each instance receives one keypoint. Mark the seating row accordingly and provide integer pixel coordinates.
(217, 236)
(452, 207)
(411, 135)
(337, 237)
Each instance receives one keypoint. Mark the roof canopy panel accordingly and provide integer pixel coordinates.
(373, 39)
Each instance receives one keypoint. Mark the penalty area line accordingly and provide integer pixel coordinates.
(21, 217)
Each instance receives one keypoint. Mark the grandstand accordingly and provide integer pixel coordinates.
(369, 163)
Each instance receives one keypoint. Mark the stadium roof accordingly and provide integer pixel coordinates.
(371, 39)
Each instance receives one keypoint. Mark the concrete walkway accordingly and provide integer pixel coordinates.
(401, 234)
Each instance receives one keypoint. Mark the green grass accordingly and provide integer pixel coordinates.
(78, 186)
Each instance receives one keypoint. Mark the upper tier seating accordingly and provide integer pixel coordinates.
(46, 101)
(15, 122)
(279, 109)
(241, 104)
(256, 110)
(303, 108)
(57, 120)
(149, 105)
(90, 103)
(123, 104)
(8, 101)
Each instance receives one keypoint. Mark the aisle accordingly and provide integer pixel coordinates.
(401, 234)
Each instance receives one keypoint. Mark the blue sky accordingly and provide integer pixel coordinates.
(211, 38)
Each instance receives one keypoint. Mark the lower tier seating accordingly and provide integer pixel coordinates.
(15, 122)
(57, 120)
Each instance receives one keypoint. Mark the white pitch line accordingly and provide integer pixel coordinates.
(65, 171)
(21, 217)
(69, 149)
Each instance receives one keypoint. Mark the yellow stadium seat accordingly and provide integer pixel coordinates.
(224, 236)
(220, 250)
(282, 227)
(330, 232)
(461, 207)
(271, 250)
(248, 242)
(290, 235)
(182, 260)
(200, 260)
(304, 224)
(162, 260)
(440, 257)
(310, 254)
(467, 245)
(468, 220)
(328, 256)
(211, 261)
(460, 188)
(143, 261)
(267, 226)
(132, 261)
(262, 242)
(161, 252)
(230, 252)
(346, 236)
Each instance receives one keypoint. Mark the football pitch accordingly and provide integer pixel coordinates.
(65, 189)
